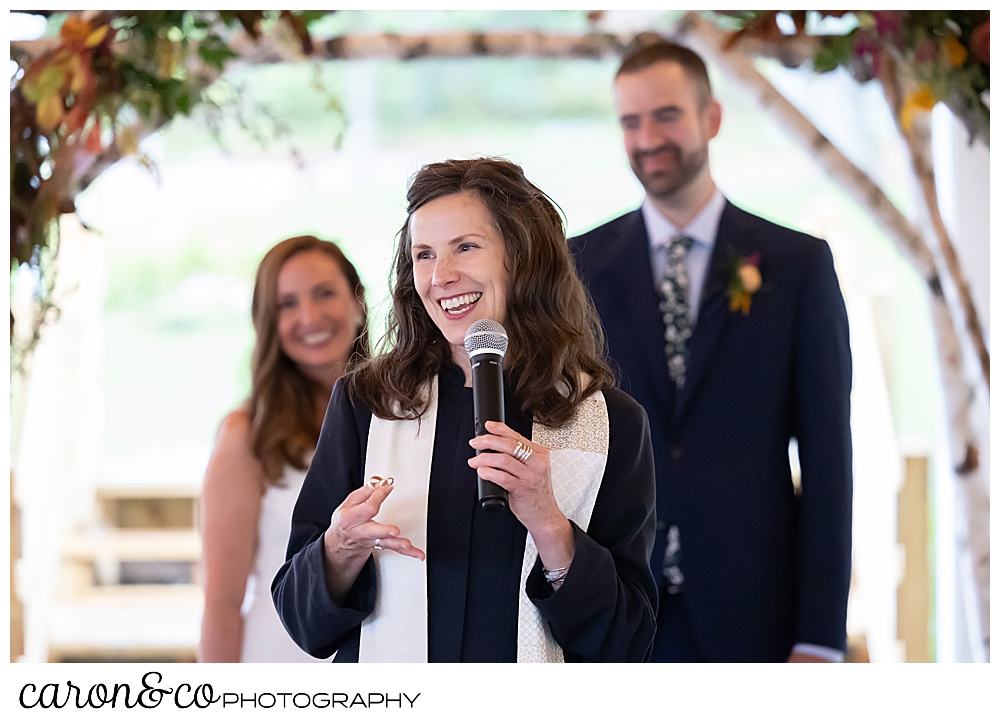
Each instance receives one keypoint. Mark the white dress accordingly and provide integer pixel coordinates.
(264, 638)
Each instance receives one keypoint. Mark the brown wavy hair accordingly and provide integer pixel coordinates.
(282, 401)
(556, 353)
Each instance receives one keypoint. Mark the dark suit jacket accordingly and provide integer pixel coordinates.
(764, 569)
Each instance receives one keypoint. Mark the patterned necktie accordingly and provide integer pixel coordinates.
(674, 306)
(672, 562)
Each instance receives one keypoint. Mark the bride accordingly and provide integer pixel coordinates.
(310, 319)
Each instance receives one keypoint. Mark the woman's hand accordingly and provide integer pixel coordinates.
(528, 482)
(353, 534)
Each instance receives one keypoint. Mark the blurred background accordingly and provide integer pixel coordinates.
(114, 414)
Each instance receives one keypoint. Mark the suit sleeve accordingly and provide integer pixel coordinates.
(605, 609)
(312, 619)
(823, 429)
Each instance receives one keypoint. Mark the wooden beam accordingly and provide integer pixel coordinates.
(281, 47)
(16, 608)
(913, 596)
(527, 43)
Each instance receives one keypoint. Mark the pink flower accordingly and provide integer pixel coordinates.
(980, 43)
(868, 52)
(750, 276)
(926, 51)
(744, 282)
(887, 22)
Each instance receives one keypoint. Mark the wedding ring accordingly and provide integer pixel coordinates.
(378, 543)
(522, 452)
(377, 481)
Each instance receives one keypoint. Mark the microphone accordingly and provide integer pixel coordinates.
(486, 343)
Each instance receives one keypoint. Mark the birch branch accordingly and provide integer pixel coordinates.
(855, 181)
(280, 46)
(527, 43)
(918, 141)
(973, 483)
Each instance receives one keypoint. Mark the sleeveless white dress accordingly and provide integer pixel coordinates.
(264, 638)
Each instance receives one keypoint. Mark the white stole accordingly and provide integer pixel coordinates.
(396, 631)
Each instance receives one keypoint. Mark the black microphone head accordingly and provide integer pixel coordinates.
(485, 335)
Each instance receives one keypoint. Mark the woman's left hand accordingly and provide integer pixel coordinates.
(528, 482)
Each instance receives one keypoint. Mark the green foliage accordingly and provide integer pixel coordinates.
(944, 54)
(114, 77)
(214, 51)
(836, 52)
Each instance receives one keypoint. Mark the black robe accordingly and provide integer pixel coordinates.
(603, 612)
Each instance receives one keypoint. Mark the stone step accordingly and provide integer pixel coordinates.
(133, 545)
(109, 556)
(150, 507)
(131, 623)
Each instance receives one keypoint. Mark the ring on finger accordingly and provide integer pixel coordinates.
(378, 544)
(522, 452)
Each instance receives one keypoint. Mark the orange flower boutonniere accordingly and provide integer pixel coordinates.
(744, 281)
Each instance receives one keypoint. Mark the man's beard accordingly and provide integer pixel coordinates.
(664, 184)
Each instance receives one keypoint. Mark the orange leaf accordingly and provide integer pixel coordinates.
(922, 99)
(49, 112)
(77, 73)
(93, 143)
(75, 29)
(96, 37)
(954, 52)
(76, 117)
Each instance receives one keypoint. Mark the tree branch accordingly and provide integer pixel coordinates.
(855, 181)
(527, 43)
(918, 140)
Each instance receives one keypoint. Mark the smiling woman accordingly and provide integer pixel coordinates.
(309, 315)
(416, 570)
(458, 267)
(318, 315)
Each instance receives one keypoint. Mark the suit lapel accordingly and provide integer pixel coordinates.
(714, 314)
(634, 280)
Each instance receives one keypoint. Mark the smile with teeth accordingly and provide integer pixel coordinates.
(317, 338)
(460, 304)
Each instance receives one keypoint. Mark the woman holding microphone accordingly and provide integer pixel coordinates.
(391, 555)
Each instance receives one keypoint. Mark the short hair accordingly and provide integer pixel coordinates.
(556, 352)
(282, 401)
(644, 53)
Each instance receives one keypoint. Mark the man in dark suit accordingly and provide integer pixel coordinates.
(732, 332)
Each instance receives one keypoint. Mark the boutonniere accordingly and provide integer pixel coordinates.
(744, 280)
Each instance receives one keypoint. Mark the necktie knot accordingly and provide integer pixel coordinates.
(685, 242)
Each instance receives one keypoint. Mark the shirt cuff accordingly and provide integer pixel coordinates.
(820, 651)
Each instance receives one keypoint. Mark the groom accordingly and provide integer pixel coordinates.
(731, 331)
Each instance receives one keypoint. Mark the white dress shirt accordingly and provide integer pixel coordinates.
(703, 228)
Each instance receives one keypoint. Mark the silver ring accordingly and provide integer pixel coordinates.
(522, 452)
(378, 543)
